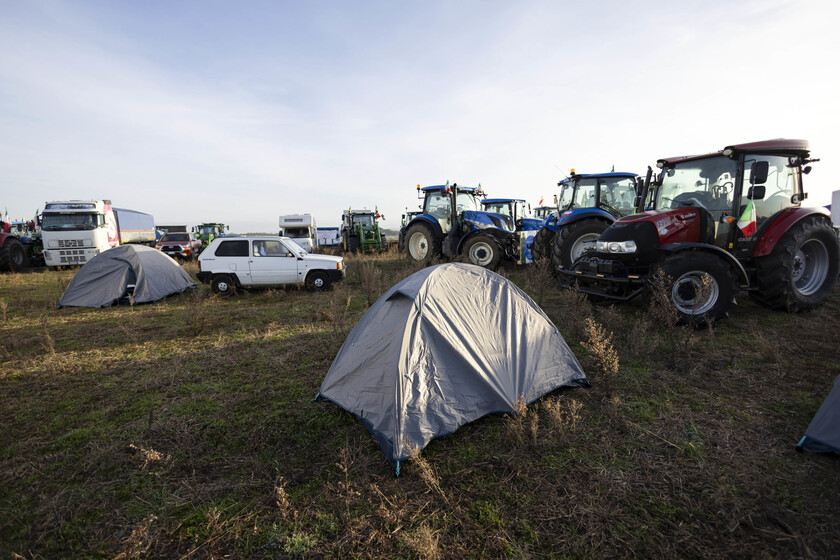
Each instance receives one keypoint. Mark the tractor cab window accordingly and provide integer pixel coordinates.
(567, 194)
(366, 220)
(498, 208)
(438, 205)
(707, 183)
(585, 196)
(782, 183)
(618, 194)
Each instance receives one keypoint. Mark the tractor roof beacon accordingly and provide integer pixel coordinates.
(725, 221)
(451, 224)
(587, 205)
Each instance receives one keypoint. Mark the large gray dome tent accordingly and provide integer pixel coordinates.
(446, 346)
(105, 278)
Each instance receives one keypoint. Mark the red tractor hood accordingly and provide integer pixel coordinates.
(672, 226)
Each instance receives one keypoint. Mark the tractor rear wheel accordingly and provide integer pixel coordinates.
(700, 286)
(12, 255)
(420, 243)
(574, 240)
(484, 251)
(543, 244)
(799, 274)
(353, 243)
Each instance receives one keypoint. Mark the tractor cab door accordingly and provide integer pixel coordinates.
(617, 195)
(439, 205)
(769, 186)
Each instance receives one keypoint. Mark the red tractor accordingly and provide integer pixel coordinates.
(726, 221)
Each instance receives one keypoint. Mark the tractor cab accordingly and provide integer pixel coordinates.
(516, 208)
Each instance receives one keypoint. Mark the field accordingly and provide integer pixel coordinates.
(187, 429)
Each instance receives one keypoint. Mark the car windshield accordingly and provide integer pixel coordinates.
(55, 222)
(175, 238)
(294, 247)
(708, 183)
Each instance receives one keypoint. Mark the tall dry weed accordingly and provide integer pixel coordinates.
(197, 315)
(47, 340)
(339, 310)
(564, 413)
(602, 353)
(427, 472)
(523, 423)
(539, 280)
(371, 278)
(346, 487)
(3, 307)
(570, 312)
(139, 542)
(424, 542)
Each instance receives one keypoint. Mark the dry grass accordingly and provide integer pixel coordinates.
(186, 429)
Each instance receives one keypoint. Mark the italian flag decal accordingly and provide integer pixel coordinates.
(747, 220)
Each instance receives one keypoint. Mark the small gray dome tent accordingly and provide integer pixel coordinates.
(823, 434)
(105, 278)
(446, 346)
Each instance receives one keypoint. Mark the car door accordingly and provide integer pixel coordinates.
(272, 263)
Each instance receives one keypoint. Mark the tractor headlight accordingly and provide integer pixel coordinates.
(616, 246)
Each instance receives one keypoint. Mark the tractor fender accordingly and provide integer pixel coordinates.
(781, 223)
(572, 216)
(672, 248)
(430, 221)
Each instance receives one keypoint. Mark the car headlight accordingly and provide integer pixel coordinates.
(616, 246)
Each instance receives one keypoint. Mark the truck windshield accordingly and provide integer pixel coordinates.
(57, 222)
(296, 232)
(708, 183)
(207, 230)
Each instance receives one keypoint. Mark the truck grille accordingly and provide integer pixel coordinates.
(71, 243)
(71, 256)
(171, 249)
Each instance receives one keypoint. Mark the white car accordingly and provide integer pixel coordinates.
(230, 263)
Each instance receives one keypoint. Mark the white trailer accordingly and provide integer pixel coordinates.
(301, 229)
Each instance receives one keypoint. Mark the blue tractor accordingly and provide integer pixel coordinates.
(451, 224)
(586, 206)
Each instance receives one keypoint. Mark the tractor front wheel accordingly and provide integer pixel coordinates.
(484, 251)
(700, 286)
(799, 274)
(542, 245)
(420, 243)
(574, 240)
(353, 243)
(13, 255)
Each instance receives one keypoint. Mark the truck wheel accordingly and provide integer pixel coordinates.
(482, 250)
(317, 281)
(353, 243)
(799, 274)
(542, 245)
(12, 255)
(420, 244)
(701, 286)
(575, 239)
(223, 285)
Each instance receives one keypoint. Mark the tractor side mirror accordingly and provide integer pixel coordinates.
(758, 174)
(756, 192)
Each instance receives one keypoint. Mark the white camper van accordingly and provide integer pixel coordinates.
(301, 229)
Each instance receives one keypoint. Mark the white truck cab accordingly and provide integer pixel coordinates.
(230, 263)
(301, 229)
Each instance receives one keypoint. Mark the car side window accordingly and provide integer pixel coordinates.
(237, 248)
(269, 248)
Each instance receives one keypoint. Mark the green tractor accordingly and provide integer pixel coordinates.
(360, 231)
(207, 232)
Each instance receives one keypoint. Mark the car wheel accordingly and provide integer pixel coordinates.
(317, 281)
(223, 285)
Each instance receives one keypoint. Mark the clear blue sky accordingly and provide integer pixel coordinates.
(242, 111)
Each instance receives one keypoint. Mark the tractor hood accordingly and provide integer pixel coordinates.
(486, 220)
(654, 228)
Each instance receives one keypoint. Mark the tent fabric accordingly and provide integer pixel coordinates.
(104, 279)
(443, 347)
(823, 434)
